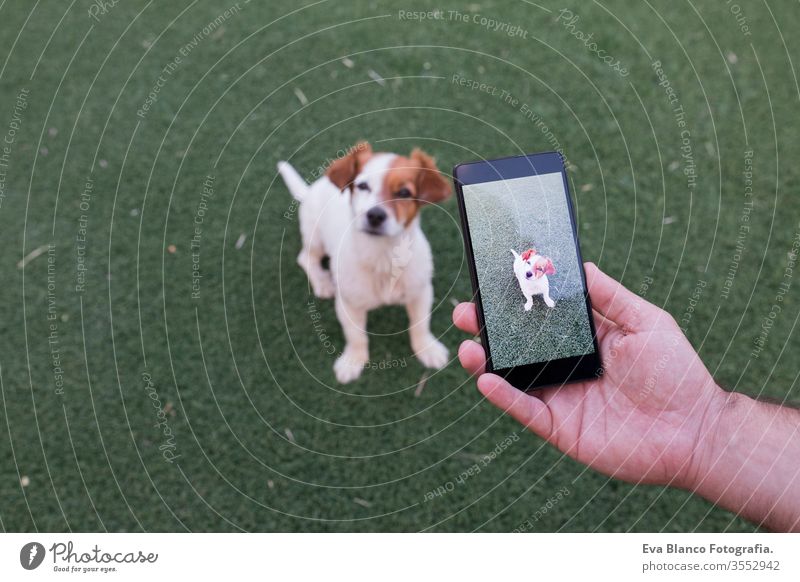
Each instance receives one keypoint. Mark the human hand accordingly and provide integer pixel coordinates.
(643, 419)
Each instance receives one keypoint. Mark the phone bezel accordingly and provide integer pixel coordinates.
(539, 374)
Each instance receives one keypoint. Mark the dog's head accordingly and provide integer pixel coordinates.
(532, 265)
(542, 266)
(387, 190)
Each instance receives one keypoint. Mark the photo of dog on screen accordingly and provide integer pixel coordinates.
(532, 270)
(533, 299)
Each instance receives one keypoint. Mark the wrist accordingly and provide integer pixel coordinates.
(721, 416)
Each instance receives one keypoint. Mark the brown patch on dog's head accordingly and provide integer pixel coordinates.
(543, 266)
(411, 182)
(431, 186)
(344, 170)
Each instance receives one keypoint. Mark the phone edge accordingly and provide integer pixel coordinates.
(473, 274)
(599, 369)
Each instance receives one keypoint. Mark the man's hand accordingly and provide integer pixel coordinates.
(643, 419)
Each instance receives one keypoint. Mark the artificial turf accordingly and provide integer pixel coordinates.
(163, 364)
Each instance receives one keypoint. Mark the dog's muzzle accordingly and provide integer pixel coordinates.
(528, 275)
(376, 217)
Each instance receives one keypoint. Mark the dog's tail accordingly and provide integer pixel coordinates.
(516, 256)
(297, 186)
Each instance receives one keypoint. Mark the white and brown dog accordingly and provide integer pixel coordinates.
(377, 252)
(532, 270)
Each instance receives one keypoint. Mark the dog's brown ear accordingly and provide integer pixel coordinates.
(431, 186)
(344, 170)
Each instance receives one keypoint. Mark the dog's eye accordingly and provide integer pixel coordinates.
(403, 193)
(363, 186)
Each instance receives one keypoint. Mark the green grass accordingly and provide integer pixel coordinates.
(242, 367)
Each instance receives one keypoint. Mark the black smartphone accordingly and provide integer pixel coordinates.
(526, 268)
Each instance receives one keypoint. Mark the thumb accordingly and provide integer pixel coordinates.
(614, 301)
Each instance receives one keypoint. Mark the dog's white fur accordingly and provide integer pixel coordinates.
(533, 281)
(367, 269)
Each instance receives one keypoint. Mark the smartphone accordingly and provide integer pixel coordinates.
(527, 274)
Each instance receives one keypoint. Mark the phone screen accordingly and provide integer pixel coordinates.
(528, 270)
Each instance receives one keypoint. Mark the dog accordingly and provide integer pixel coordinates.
(532, 270)
(362, 216)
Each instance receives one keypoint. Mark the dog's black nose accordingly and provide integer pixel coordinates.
(376, 216)
(528, 275)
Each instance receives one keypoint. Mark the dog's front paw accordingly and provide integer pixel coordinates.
(432, 353)
(349, 365)
(549, 302)
(528, 305)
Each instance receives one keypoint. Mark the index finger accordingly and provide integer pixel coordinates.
(465, 316)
